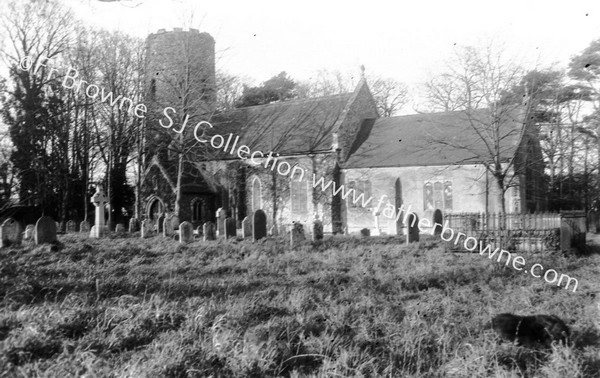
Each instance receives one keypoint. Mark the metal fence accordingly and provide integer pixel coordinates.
(537, 232)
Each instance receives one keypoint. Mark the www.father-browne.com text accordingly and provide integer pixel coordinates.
(230, 142)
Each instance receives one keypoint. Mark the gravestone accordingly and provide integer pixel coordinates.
(99, 200)
(208, 231)
(120, 228)
(259, 225)
(317, 230)
(283, 232)
(29, 232)
(10, 233)
(168, 229)
(221, 214)
(160, 223)
(45, 230)
(62, 226)
(71, 227)
(274, 231)
(175, 222)
(413, 228)
(365, 233)
(246, 228)
(438, 218)
(186, 232)
(146, 228)
(84, 226)
(230, 230)
(297, 234)
(133, 225)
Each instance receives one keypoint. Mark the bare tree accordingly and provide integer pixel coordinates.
(389, 94)
(476, 82)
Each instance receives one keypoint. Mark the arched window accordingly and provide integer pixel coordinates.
(299, 196)
(256, 194)
(437, 195)
(197, 204)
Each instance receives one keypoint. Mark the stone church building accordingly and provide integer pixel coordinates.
(432, 162)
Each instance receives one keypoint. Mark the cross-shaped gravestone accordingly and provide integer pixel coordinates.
(99, 200)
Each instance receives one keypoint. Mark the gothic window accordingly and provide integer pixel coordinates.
(438, 199)
(448, 196)
(256, 194)
(428, 196)
(437, 195)
(196, 209)
(299, 191)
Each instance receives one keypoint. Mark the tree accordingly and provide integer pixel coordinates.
(42, 32)
(479, 79)
(229, 91)
(277, 88)
(585, 70)
(390, 95)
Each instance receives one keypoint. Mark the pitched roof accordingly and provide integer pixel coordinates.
(435, 139)
(290, 127)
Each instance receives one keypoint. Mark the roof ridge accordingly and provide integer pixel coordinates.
(297, 101)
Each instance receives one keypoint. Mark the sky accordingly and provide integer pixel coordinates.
(407, 41)
(404, 40)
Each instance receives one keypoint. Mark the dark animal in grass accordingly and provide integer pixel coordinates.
(531, 330)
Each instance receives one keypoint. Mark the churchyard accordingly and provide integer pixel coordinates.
(124, 305)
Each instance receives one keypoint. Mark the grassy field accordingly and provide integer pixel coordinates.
(126, 307)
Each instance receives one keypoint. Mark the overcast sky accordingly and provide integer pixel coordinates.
(404, 40)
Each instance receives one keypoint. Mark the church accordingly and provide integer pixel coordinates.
(435, 163)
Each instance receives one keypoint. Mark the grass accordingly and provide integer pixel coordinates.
(344, 307)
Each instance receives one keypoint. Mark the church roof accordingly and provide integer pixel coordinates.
(289, 127)
(444, 138)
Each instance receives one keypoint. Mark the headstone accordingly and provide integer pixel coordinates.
(99, 200)
(297, 234)
(283, 232)
(186, 232)
(438, 218)
(10, 233)
(71, 227)
(146, 228)
(29, 232)
(160, 223)
(274, 231)
(92, 231)
(317, 230)
(120, 228)
(84, 226)
(259, 225)
(168, 229)
(61, 227)
(365, 233)
(413, 228)
(208, 231)
(230, 230)
(175, 222)
(221, 215)
(246, 228)
(133, 225)
(45, 230)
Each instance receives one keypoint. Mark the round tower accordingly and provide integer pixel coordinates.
(180, 71)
